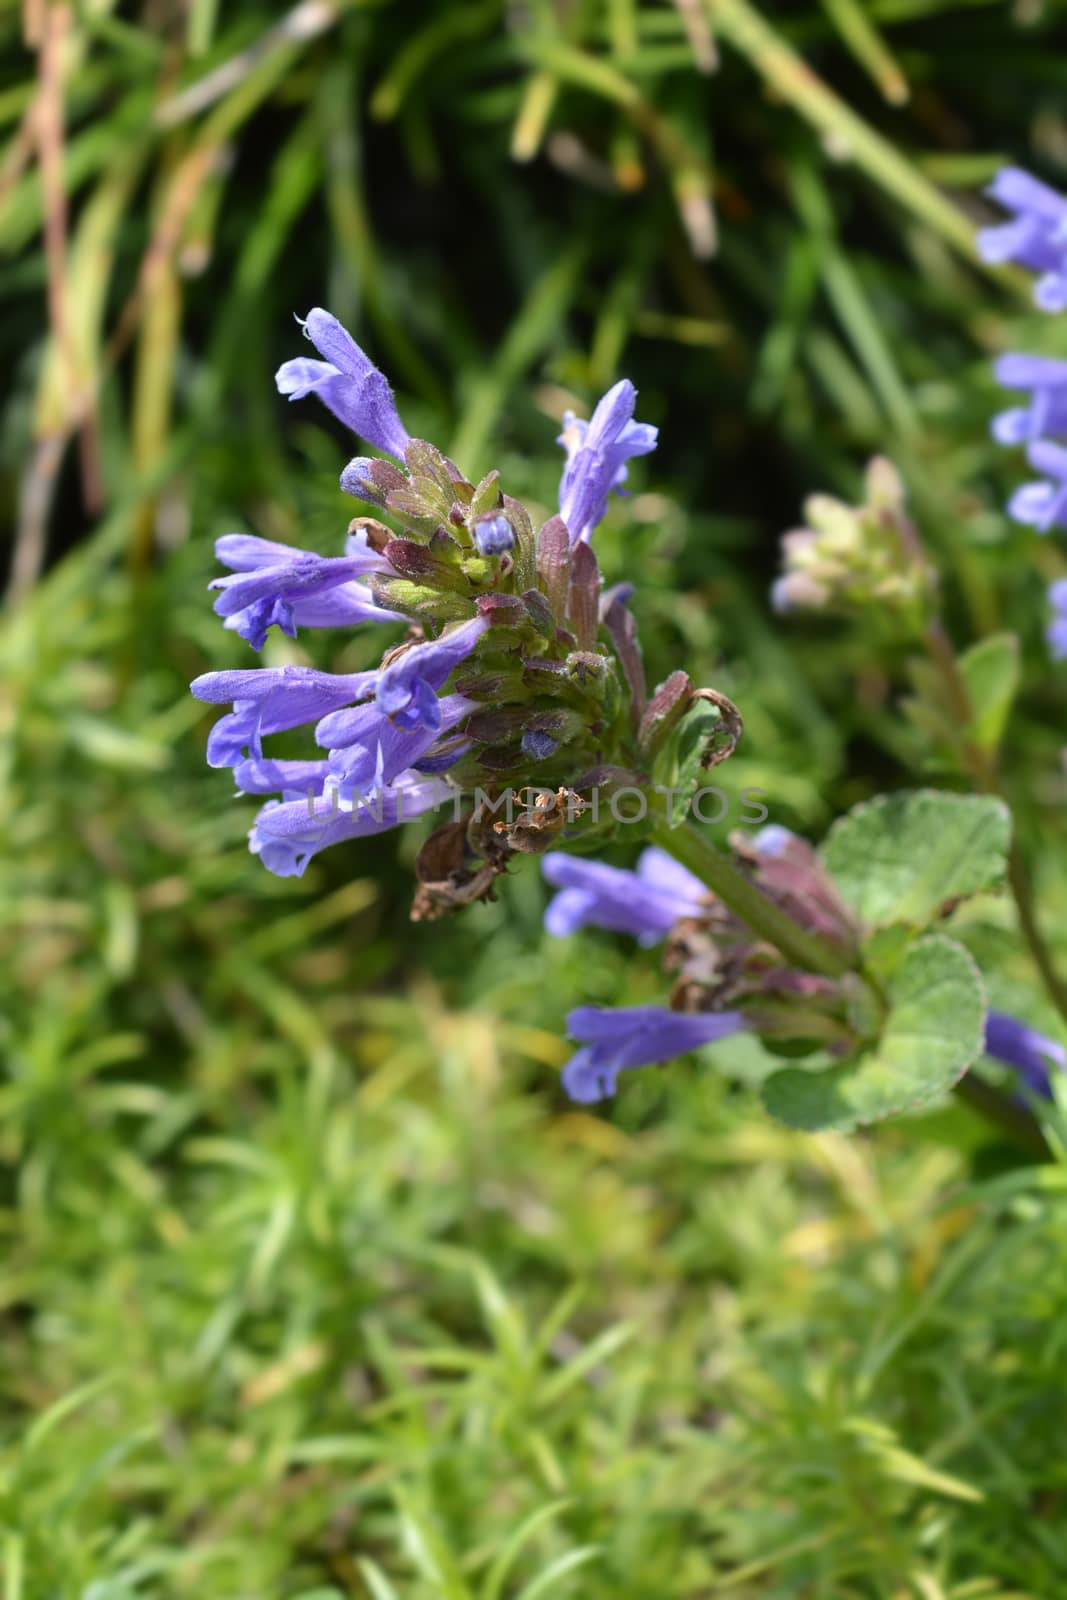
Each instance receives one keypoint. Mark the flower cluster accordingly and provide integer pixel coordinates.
(515, 674)
(726, 982)
(509, 672)
(1036, 238)
(851, 559)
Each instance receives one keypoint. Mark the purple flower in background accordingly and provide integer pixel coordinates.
(1046, 410)
(634, 1036)
(271, 700)
(286, 836)
(276, 584)
(1036, 236)
(597, 453)
(773, 841)
(1056, 632)
(645, 903)
(407, 688)
(1043, 505)
(346, 382)
(367, 747)
(1032, 1054)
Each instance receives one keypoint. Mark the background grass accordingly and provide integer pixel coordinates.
(311, 1283)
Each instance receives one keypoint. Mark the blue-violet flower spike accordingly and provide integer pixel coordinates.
(1036, 237)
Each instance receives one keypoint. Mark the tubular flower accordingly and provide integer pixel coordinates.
(645, 903)
(516, 687)
(1043, 505)
(634, 1036)
(278, 584)
(271, 700)
(287, 834)
(597, 453)
(1036, 236)
(1032, 1054)
(347, 382)
(1045, 382)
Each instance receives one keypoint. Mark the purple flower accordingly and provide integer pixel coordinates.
(597, 453)
(286, 836)
(346, 382)
(634, 1036)
(270, 700)
(646, 903)
(276, 584)
(1043, 505)
(1046, 411)
(1056, 632)
(407, 688)
(1029, 1052)
(367, 747)
(1036, 237)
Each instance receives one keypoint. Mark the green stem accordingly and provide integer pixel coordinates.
(804, 950)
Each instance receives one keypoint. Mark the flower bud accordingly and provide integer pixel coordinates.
(493, 534)
(858, 560)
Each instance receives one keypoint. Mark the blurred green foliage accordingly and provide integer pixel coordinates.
(312, 1287)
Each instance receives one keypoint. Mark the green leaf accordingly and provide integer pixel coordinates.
(933, 1032)
(991, 672)
(903, 857)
